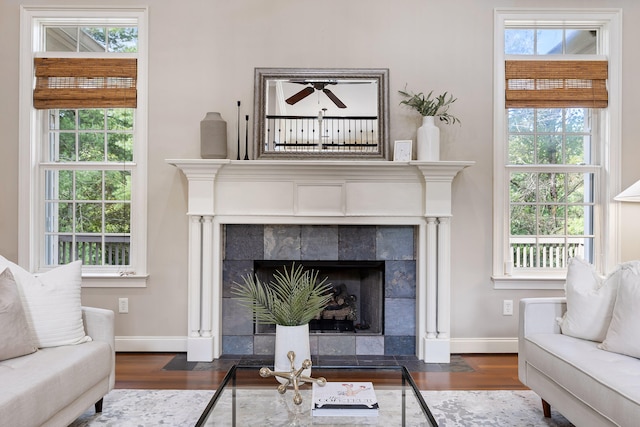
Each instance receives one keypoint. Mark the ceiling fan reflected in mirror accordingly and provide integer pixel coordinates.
(315, 86)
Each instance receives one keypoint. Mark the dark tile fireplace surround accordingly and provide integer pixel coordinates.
(393, 245)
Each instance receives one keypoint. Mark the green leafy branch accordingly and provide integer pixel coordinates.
(428, 106)
(294, 298)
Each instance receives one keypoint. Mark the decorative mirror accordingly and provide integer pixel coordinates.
(321, 113)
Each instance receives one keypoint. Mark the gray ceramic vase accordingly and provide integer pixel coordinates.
(213, 137)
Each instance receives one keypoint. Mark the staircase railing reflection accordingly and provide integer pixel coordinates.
(316, 133)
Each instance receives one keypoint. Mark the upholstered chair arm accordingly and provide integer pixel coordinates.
(537, 316)
(99, 325)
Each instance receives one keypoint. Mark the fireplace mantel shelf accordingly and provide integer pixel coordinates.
(319, 192)
(327, 163)
(349, 167)
(319, 188)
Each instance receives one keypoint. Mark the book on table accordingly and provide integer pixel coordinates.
(344, 399)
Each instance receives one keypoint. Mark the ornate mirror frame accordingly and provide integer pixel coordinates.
(321, 127)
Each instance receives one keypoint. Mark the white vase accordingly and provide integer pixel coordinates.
(213, 137)
(428, 140)
(291, 338)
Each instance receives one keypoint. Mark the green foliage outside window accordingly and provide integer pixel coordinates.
(91, 202)
(115, 39)
(549, 203)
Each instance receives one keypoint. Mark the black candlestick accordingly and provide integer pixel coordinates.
(246, 139)
(238, 131)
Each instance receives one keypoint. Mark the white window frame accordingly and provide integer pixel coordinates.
(607, 246)
(31, 178)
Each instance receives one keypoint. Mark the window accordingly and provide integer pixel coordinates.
(551, 186)
(83, 163)
(555, 143)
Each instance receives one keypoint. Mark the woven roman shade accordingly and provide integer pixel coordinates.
(85, 83)
(556, 84)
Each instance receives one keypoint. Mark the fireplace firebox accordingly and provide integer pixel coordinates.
(357, 304)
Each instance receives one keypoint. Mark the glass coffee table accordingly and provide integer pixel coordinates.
(246, 399)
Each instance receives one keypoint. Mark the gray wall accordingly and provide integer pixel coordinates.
(210, 48)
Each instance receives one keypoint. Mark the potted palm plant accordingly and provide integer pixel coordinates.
(430, 107)
(290, 301)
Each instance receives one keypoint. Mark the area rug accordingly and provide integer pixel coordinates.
(147, 408)
(522, 408)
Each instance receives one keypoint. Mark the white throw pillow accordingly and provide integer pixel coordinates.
(52, 303)
(16, 338)
(590, 301)
(623, 335)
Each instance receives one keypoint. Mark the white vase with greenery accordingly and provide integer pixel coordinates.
(428, 135)
(290, 301)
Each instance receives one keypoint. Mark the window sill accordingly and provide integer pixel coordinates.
(529, 282)
(114, 281)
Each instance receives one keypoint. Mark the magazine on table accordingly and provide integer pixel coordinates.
(344, 399)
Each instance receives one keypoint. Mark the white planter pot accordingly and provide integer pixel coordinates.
(291, 338)
(428, 140)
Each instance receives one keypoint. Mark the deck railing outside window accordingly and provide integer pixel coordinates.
(527, 253)
(90, 250)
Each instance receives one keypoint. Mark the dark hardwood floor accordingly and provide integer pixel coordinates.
(147, 371)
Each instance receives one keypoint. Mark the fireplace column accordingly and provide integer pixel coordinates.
(432, 278)
(437, 265)
(444, 278)
(203, 339)
(434, 338)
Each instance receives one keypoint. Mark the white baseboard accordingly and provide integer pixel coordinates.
(484, 345)
(151, 344)
(178, 344)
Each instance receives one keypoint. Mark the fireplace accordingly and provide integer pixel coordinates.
(263, 197)
(375, 263)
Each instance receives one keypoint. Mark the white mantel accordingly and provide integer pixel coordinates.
(319, 192)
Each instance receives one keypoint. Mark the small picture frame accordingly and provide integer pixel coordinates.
(402, 150)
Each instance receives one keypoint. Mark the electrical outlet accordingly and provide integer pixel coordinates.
(123, 305)
(507, 307)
